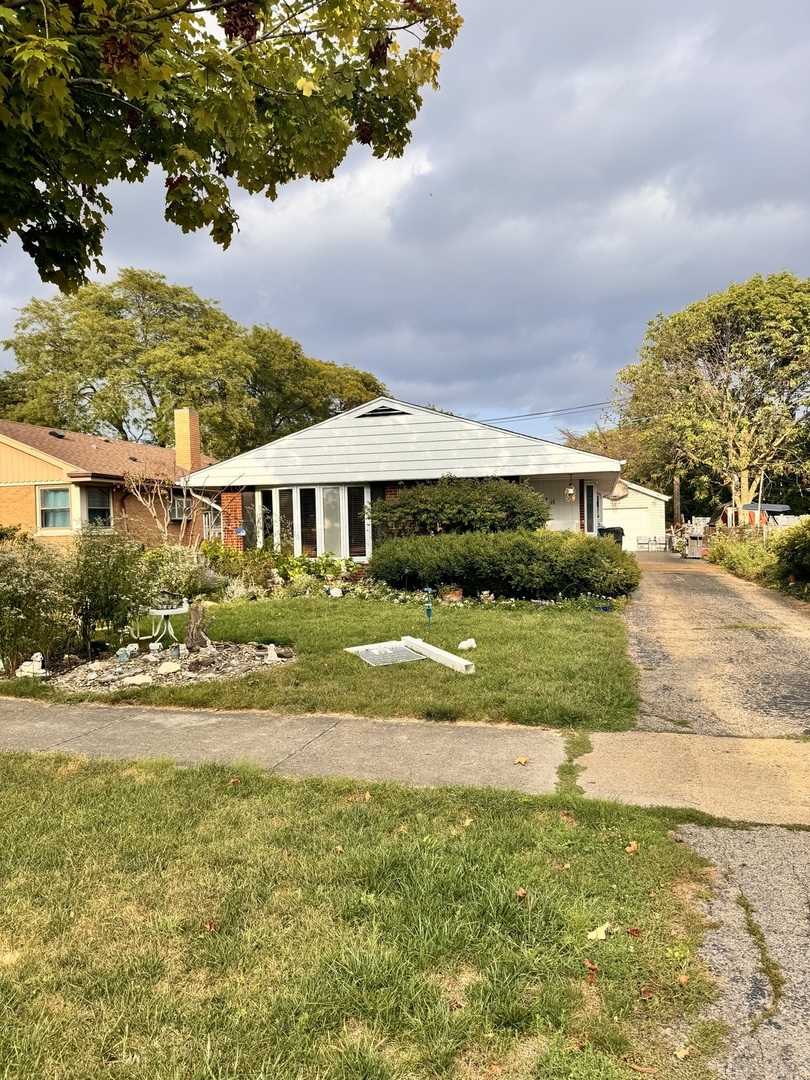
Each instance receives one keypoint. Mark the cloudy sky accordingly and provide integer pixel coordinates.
(584, 166)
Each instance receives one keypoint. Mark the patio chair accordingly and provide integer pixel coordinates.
(643, 543)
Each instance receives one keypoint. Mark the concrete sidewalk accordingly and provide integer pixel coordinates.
(756, 780)
(760, 780)
(405, 751)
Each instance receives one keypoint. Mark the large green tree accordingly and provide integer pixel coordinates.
(289, 390)
(255, 92)
(722, 388)
(120, 358)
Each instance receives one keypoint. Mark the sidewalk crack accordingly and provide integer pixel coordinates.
(305, 746)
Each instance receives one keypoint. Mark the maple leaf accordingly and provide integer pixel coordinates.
(522, 760)
(600, 933)
(632, 848)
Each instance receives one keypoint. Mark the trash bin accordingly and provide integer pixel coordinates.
(615, 532)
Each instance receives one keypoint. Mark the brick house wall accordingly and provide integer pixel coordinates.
(18, 506)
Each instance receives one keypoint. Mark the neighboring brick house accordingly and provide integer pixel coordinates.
(54, 483)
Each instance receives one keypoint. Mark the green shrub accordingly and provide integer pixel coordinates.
(535, 565)
(223, 560)
(34, 609)
(259, 566)
(175, 570)
(790, 548)
(751, 559)
(460, 505)
(105, 582)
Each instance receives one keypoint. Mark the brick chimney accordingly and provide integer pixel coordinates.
(187, 450)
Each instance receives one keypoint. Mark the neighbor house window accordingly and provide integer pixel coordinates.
(54, 508)
(99, 510)
(181, 510)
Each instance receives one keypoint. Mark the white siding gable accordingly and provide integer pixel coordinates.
(387, 439)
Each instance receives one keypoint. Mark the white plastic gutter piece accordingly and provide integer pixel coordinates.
(432, 652)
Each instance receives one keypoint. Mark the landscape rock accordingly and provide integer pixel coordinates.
(220, 660)
(137, 680)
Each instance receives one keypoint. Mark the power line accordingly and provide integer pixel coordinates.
(546, 412)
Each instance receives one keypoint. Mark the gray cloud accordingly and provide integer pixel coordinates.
(581, 169)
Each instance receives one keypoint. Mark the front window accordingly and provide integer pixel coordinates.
(99, 510)
(54, 508)
(357, 522)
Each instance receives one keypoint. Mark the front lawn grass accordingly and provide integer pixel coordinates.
(538, 666)
(167, 924)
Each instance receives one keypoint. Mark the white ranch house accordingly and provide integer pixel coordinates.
(305, 493)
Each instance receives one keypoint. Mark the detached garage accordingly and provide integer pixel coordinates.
(637, 510)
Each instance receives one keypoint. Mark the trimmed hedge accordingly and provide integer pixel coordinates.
(458, 504)
(531, 565)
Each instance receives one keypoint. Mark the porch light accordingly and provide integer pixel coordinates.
(570, 492)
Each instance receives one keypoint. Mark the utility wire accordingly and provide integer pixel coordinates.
(546, 412)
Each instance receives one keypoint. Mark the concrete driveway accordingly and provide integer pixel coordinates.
(717, 655)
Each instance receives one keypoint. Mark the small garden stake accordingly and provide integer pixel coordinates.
(428, 606)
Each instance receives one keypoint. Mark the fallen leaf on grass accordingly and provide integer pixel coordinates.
(235, 780)
(466, 822)
(646, 1069)
(209, 926)
(634, 931)
(522, 760)
(681, 1054)
(454, 1004)
(600, 933)
(567, 866)
(357, 798)
(589, 964)
(338, 850)
(647, 992)
(495, 1070)
(632, 848)
(568, 817)
(683, 979)
(521, 894)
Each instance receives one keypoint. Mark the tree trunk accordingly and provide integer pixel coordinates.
(745, 491)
